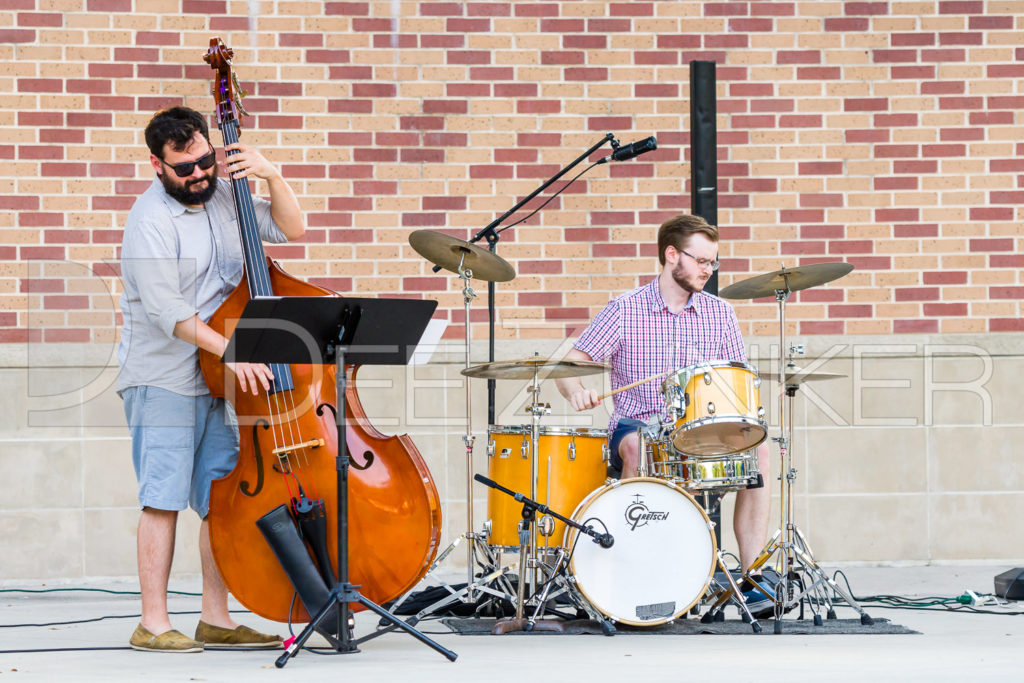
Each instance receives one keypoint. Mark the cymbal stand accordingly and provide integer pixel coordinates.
(477, 549)
(799, 573)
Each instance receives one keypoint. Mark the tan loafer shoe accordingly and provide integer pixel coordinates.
(168, 641)
(239, 637)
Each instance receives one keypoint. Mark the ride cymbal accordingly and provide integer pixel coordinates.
(787, 279)
(526, 367)
(449, 252)
(795, 375)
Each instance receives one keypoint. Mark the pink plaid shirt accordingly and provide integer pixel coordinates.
(640, 337)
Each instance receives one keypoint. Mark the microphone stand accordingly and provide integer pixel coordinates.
(491, 235)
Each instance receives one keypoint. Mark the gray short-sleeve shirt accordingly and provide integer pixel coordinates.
(177, 262)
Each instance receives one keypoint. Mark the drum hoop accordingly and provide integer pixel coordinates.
(694, 369)
(594, 495)
(548, 431)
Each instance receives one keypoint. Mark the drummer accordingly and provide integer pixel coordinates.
(667, 324)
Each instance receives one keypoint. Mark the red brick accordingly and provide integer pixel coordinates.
(539, 298)
(865, 104)
(421, 122)
(382, 138)
(961, 38)
(47, 19)
(300, 39)
(109, 5)
(1006, 102)
(422, 156)
(614, 250)
(539, 139)
(915, 326)
(17, 35)
(961, 103)
(680, 41)
(821, 327)
(749, 25)
(491, 73)
(65, 302)
(915, 167)
(66, 236)
(100, 203)
(40, 85)
(1006, 197)
(991, 213)
(938, 310)
(1006, 325)
(851, 311)
(112, 170)
(851, 247)
(586, 74)
(962, 7)
(63, 170)
(30, 253)
(431, 139)
(943, 88)
(850, 24)
(318, 56)
(917, 72)
(390, 41)
(444, 203)
(991, 244)
(566, 313)
(916, 293)
(896, 183)
(228, 23)
(896, 215)
(586, 234)
(380, 187)
(537, 9)
(916, 230)
(350, 73)
(442, 41)
(578, 42)
(1004, 70)
(354, 9)
(943, 55)
(909, 39)
(655, 58)
(945, 277)
(891, 151)
(539, 267)
(350, 106)
(802, 247)
(819, 295)
(350, 171)
(41, 285)
(374, 154)
(66, 335)
(490, 171)
(1006, 292)
(798, 57)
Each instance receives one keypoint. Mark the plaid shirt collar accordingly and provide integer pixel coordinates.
(658, 301)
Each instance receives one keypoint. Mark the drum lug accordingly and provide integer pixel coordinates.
(707, 378)
(490, 449)
(606, 452)
(572, 449)
(711, 408)
(524, 450)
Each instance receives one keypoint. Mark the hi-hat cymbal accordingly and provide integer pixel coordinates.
(787, 279)
(795, 375)
(448, 252)
(526, 367)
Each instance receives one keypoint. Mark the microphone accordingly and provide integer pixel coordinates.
(633, 149)
(605, 540)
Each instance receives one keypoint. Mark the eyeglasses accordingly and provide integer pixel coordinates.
(184, 170)
(703, 262)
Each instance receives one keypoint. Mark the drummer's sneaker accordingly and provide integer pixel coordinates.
(759, 604)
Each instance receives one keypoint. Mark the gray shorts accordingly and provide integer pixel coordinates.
(179, 445)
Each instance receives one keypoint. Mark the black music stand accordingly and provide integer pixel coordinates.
(339, 330)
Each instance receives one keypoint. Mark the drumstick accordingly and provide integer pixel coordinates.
(645, 380)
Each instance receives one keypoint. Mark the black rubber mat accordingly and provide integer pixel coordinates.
(684, 627)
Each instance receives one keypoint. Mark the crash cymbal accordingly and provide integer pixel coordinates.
(447, 251)
(791, 279)
(795, 375)
(525, 368)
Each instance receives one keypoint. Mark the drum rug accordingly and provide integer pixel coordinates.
(684, 627)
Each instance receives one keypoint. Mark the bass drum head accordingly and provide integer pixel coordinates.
(662, 558)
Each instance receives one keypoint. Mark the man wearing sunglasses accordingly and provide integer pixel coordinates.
(666, 325)
(181, 257)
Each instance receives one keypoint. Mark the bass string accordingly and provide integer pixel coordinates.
(259, 284)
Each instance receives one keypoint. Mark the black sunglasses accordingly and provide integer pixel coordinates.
(185, 170)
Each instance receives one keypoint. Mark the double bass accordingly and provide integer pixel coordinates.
(288, 443)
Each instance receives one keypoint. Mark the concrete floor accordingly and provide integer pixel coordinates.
(951, 646)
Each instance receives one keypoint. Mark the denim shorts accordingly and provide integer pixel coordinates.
(179, 445)
(622, 428)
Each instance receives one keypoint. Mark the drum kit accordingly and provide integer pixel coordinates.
(655, 557)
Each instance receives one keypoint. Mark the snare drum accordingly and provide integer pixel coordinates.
(662, 558)
(719, 474)
(572, 463)
(717, 406)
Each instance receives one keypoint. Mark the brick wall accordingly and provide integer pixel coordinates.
(884, 134)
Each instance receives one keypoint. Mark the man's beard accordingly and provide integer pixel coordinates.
(187, 196)
(680, 280)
